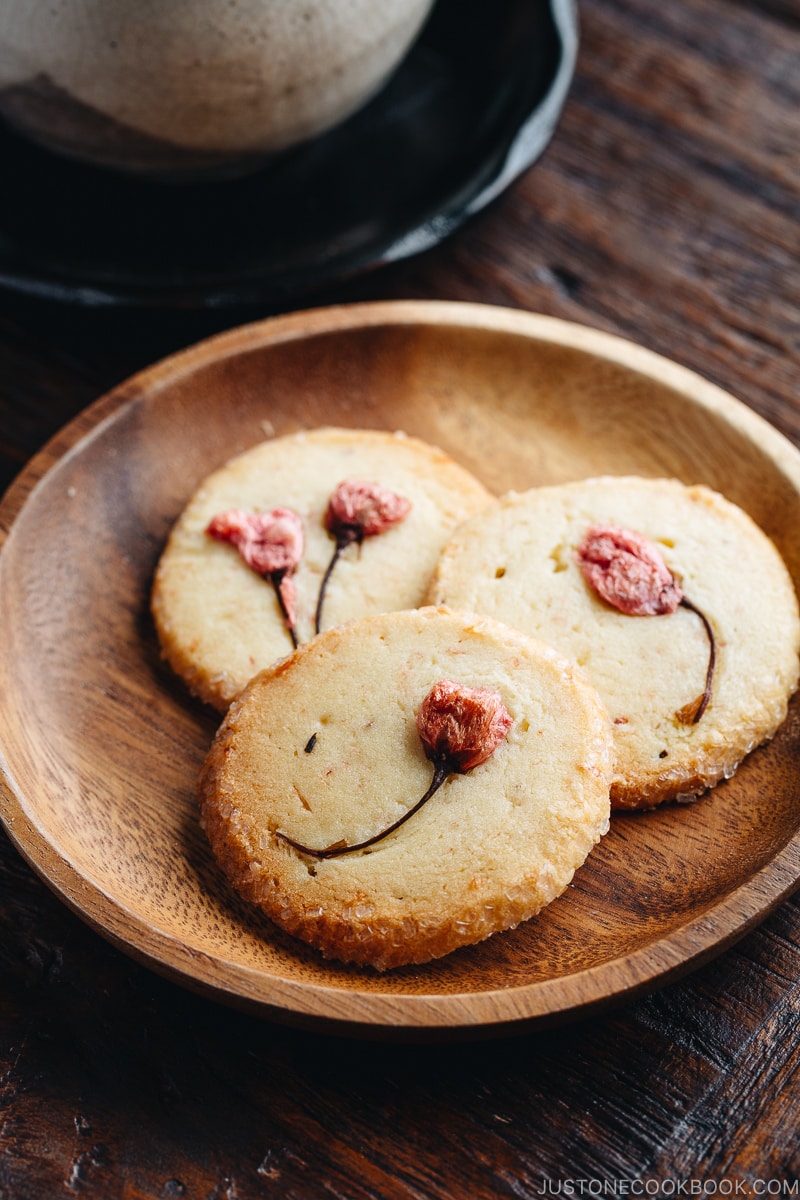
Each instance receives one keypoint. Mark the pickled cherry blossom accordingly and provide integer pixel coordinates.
(271, 544)
(628, 571)
(460, 728)
(358, 510)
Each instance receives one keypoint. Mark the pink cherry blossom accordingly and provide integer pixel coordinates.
(271, 543)
(268, 542)
(628, 572)
(363, 509)
(462, 726)
(356, 511)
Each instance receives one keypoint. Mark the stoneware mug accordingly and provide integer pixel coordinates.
(189, 88)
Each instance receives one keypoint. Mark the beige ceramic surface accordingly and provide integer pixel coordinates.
(100, 746)
(190, 84)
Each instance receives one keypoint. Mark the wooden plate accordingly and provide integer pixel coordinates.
(101, 745)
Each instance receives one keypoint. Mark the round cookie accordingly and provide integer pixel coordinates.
(323, 749)
(517, 562)
(219, 622)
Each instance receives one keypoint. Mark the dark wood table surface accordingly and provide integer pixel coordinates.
(666, 209)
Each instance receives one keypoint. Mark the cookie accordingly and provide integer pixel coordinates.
(336, 744)
(219, 622)
(519, 562)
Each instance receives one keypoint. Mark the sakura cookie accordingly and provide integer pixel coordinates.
(243, 576)
(671, 600)
(407, 784)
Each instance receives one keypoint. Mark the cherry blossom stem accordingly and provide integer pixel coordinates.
(712, 658)
(441, 771)
(343, 540)
(276, 578)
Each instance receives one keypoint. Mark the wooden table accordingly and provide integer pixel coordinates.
(667, 209)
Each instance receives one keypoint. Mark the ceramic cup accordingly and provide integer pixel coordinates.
(193, 87)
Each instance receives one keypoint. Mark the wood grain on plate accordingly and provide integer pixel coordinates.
(102, 745)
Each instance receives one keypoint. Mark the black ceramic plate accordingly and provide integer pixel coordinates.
(472, 106)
